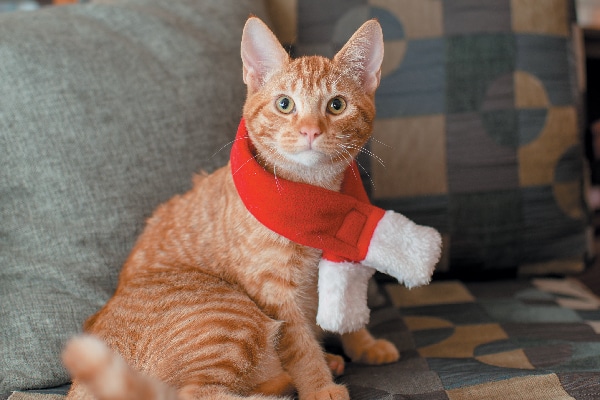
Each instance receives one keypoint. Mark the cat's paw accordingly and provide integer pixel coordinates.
(336, 363)
(378, 352)
(330, 392)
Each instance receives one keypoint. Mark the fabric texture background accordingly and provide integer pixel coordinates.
(477, 129)
(107, 110)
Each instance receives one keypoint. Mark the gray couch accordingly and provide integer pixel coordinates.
(106, 110)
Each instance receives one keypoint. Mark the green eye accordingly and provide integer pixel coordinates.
(336, 105)
(285, 104)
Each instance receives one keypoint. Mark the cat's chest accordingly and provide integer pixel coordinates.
(232, 243)
(275, 261)
(280, 273)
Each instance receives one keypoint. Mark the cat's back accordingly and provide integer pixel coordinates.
(210, 228)
(190, 229)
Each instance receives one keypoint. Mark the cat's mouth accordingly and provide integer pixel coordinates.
(309, 157)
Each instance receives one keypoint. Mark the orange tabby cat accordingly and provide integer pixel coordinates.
(210, 303)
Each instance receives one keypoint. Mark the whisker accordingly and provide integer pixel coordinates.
(368, 152)
(345, 155)
(357, 163)
(277, 184)
(348, 159)
(367, 174)
(242, 166)
(273, 152)
(225, 145)
(343, 136)
(381, 143)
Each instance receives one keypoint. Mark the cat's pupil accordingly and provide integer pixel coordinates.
(284, 103)
(336, 104)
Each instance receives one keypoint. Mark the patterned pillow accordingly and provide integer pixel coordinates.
(477, 131)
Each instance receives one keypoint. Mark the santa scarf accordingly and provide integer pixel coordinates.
(342, 224)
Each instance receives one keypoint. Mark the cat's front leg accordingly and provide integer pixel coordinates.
(302, 357)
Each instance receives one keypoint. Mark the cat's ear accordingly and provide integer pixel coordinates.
(262, 54)
(363, 54)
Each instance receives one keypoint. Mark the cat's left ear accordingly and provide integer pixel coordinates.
(363, 54)
(262, 54)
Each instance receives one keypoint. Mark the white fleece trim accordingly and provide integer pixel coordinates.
(343, 296)
(404, 250)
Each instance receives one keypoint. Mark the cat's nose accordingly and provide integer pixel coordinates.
(310, 132)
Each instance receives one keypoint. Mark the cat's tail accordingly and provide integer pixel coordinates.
(101, 374)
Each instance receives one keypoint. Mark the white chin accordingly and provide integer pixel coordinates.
(309, 158)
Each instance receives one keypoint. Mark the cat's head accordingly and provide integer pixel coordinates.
(308, 117)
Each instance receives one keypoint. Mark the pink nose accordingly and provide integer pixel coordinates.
(311, 132)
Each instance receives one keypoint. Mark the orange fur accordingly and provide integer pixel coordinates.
(210, 303)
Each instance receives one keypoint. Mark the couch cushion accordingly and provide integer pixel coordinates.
(477, 131)
(107, 110)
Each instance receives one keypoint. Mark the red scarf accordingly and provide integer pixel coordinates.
(339, 223)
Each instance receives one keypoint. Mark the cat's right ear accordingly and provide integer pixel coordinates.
(262, 54)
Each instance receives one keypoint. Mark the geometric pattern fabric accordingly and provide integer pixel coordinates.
(477, 124)
(536, 339)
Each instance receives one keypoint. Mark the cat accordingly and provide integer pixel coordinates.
(212, 304)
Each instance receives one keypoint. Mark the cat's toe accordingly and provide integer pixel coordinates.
(336, 364)
(331, 392)
(380, 352)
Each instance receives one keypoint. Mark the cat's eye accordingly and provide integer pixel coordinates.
(285, 104)
(336, 106)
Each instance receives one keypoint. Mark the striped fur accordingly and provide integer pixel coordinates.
(210, 303)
